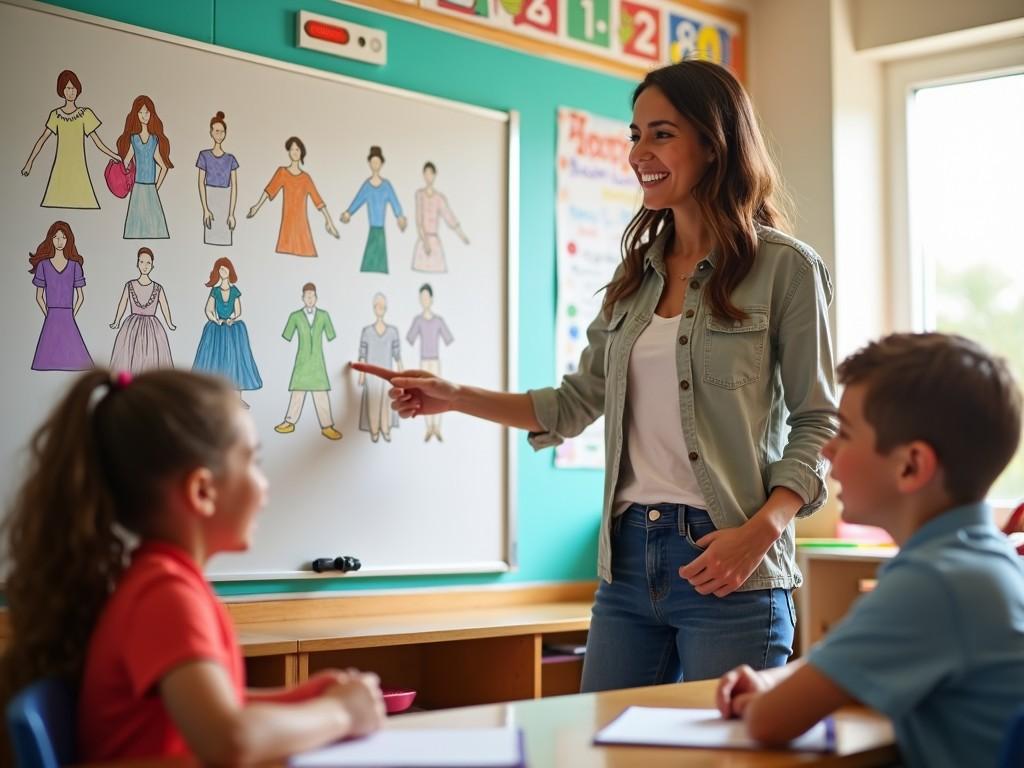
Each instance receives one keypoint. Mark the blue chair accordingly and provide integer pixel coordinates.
(1012, 755)
(41, 721)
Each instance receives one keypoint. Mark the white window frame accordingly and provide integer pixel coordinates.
(902, 79)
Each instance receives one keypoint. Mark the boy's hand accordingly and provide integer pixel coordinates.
(737, 687)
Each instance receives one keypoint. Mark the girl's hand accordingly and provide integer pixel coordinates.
(231, 222)
(252, 212)
(27, 169)
(346, 217)
(115, 325)
(736, 688)
(415, 393)
(172, 327)
(207, 218)
(360, 696)
(402, 221)
(333, 230)
(730, 556)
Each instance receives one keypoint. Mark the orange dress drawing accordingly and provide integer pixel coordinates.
(295, 236)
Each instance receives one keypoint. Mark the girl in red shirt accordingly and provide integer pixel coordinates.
(173, 459)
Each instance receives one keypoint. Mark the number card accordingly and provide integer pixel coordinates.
(640, 31)
(589, 21)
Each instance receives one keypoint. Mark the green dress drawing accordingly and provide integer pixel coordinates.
(310, 371)
(69, 185)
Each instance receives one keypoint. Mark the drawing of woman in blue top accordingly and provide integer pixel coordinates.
(144, 141)
(224, 346)
(377, 193)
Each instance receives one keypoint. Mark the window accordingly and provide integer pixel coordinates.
(965, 202)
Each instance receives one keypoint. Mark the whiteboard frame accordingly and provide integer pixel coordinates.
(510, 316)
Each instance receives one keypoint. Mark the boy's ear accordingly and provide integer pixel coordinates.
(918, 466)
(201, 491)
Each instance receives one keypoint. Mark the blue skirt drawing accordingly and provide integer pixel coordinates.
(224, 350)
(145, 219)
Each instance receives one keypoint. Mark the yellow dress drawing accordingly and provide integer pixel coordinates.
(69, 185)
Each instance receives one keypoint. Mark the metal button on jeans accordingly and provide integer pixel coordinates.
(653, 515)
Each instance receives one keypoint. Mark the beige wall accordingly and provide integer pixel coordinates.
(878, 23)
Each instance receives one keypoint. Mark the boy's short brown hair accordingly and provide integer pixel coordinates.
(947, 391)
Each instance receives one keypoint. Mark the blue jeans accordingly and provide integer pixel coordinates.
(650, 626)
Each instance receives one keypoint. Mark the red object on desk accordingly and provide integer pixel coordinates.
(398, 699)
(1016, 524)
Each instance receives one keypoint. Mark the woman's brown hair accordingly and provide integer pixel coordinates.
(223, 261)
(97, 467)
(739, 190)
(133, 125)
(218, 118)
(46, 249)
(65, 77)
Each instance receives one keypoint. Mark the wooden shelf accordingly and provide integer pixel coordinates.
(452, 656)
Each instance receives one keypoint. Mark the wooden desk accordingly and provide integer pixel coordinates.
(559, 732)
(833, 578)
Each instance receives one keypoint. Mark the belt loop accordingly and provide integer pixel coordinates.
(681, 519)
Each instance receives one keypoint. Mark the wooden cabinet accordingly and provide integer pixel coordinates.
(452, 652)
(834, 576)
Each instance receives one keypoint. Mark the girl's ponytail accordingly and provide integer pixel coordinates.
(97, 470)
(63, 551)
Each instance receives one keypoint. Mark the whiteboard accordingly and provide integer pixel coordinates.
(405, 503)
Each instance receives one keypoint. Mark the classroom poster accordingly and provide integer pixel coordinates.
(597, 196)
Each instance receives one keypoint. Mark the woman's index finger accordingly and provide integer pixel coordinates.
(374, 370)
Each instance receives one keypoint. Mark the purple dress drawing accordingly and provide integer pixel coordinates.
(141, 342)
(60, 346)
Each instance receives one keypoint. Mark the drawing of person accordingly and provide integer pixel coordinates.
(57, 274)
(309, 374)
(144, 142)
(377, 193)
(69, 185)
(431, 205)
(430, 329)
(218, 186)
(294, 235)
(224, 346)
(379, 344)
(141, 342)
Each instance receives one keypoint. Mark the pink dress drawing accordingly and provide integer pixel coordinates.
(141, 342)
(429, 210)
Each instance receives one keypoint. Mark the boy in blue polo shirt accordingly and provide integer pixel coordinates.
(927, 423)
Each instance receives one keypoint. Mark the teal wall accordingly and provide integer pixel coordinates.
(558, 510)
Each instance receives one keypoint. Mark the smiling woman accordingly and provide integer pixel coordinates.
(713, 342)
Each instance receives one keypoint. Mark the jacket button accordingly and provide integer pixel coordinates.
(694, 285)
(684, 384)
(653, 515)
(683, 340)
(693, 456)
(689, 313)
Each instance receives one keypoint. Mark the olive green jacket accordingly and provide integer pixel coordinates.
(757, 397)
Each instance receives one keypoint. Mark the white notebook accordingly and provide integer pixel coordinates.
(422, 748)
(702, 728)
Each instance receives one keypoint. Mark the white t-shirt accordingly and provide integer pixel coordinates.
(657, 467)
